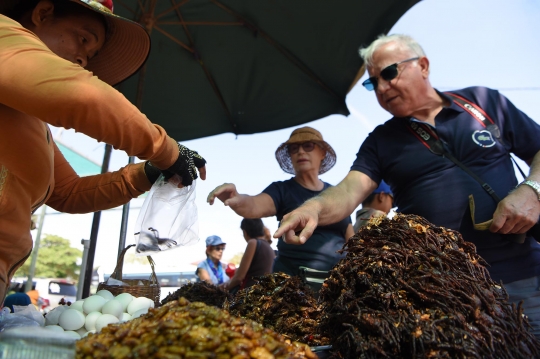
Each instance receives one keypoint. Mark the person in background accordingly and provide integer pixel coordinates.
(306, 155)
(432, 186)
(258, 257)
(377, 204)
(34, 296)
(267, 235)
(212, 270)
(58, 62)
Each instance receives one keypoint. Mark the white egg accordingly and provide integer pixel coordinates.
(55, 328)
(73, 334)
(93, 304)
(52, 317)
(90, 322)
(138, 304)
(105, 320)
(125, 317)
(71, 319)
(138, 313)
(113, 307)
(105, 294)
(125, 299)
(78, 305)
(82, 331)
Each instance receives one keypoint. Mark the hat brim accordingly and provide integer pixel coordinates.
(123, 54)
(284, 159)
(125, 51)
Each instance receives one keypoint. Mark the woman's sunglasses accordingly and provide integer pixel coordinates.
(295, 147)
(388, 74)
(218, 249)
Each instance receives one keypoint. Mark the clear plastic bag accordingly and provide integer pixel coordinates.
(24, 316)
(168, 218)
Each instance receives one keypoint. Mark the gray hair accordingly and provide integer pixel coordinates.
(367, 52)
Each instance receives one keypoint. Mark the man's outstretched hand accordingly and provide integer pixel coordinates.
(296, 227)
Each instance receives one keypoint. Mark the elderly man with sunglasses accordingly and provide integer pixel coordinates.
(477, 127)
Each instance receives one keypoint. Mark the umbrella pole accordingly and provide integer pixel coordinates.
(124, 223)
(89, 268)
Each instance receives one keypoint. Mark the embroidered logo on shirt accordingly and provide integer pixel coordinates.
(483, 138)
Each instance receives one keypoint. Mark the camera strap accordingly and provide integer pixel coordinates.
(429, 138)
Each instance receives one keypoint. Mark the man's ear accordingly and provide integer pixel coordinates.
(44, 11)
(423, 62)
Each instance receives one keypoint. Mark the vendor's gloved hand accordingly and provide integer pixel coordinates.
(151, 172)
(186, 166)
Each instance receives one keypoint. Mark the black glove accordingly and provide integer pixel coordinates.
(151, 172)
(186, 165)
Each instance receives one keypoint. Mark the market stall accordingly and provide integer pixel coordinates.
(406, 288)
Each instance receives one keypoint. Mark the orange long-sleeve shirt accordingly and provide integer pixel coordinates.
(38, 87)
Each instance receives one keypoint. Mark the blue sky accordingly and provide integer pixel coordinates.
(469, 42)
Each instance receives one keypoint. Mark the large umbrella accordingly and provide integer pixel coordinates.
(248, 66)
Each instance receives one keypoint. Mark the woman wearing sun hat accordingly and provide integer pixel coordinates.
(47, 50)
(306, 155)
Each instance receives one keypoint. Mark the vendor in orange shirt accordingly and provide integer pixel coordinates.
(47, 50)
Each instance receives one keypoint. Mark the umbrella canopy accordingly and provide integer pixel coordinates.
(246, 66)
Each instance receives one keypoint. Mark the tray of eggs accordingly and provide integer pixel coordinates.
(90, 315)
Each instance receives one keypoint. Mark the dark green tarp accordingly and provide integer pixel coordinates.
(275, 63)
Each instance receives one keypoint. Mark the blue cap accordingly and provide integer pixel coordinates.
(383, 188)
(214, 241)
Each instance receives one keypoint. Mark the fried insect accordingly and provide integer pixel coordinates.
(201, 292)
(409, 289)
(284, 304)
(181, 329)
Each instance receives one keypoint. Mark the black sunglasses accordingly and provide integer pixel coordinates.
(388, 73)
(295, 147)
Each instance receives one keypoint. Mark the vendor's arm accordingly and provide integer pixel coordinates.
(331, 206)
(520, 210)
(247, 206)
(41, 84)
(74, 194)
(245, 263)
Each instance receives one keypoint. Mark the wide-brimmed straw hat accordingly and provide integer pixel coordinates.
(126, 49)
(300, 135)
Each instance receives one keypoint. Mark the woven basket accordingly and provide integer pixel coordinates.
(149, 288)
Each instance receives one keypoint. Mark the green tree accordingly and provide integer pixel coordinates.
(56, 259)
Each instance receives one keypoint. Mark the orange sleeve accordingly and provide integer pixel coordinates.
(39, 83)
(74, 194)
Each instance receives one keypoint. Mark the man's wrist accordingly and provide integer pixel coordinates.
(534, 185)
(314, 204)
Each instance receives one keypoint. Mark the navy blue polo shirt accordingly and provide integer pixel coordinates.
(319, 252)
(434, 187)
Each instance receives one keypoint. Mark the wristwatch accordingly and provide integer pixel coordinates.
(534, 185)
